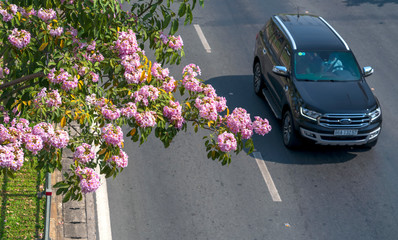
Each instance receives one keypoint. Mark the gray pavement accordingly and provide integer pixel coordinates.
(74, 219)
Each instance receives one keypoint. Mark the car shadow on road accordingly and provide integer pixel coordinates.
(238, 90)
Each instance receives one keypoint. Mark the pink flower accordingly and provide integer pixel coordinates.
(129, 110)
(175, 43)
(89, 179)
(94, 77)
(4, 134)
(239, 122)
(227, 142)
(16, 163)
(159, 72)
(126, 43)
(173, 113)
(46, 14)
(33, 143)
(19, 39)
(112, 135)
(191, 70)
(120, 160)
(169, 85)
(6, 156)
(146, 93)
(44, 130)
(261, 126)
(55, 32)
(84, 153)
(60, 139)
(110, 112)
(146, 119)
(70, 83)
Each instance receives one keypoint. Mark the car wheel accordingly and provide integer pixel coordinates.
(290, 137)
(257, 79)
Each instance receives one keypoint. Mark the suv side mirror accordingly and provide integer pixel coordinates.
(281, 71)
(367, 71)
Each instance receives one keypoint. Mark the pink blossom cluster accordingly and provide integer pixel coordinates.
(120, 160)
(8, 13)
(46, 14)
(226, 142)
(55, 31)
(146, 119)
(51, 99)
(173, 42)
(145, 94)
(129, 110)
(84, 153)
(89, 179)
(34, 139)
(60, 139)
(174, 113)
(19, 39)
(239, 122)
(110, 112)
(169, 84)
(210, 105)
(190, 82)
(11, 156)
(126, 43)
(44, 130)
(68, 82)
(94, 57)
(93, 76)
(98, 102)
(159, 72)
(112, 134)
(261, 126)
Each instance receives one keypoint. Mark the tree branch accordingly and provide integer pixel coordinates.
(22, 79)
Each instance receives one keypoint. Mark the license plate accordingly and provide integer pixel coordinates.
(345, 132)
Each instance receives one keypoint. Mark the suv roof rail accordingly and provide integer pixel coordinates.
(287, 32)
(335, 32)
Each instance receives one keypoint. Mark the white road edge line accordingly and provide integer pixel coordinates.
(202, 38)
(103, 218)
(267, 177)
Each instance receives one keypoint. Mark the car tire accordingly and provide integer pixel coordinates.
(258, 79)
(290, 136)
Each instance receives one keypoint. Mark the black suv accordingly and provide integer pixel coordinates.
(312, 81)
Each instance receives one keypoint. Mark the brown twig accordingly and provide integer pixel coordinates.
(22, 79)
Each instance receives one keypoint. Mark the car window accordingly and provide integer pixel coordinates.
(326, 66)
(277, 40)
(286, 56)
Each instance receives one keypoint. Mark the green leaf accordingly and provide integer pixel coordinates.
(182, 9)
(174, 27)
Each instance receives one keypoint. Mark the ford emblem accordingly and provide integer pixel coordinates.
(345, 121)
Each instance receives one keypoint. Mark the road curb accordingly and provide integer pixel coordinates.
(73, 219)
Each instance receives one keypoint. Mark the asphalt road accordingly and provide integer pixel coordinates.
(326, 193)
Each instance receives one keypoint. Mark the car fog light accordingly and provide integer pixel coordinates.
(374, 134)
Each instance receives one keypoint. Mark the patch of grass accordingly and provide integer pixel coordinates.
(22, 212)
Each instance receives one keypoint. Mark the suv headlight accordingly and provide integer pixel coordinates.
(309, 114)
(375, 114)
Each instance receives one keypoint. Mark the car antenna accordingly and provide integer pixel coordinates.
(298, 11)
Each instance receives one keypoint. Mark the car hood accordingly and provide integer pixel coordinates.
(337, 97)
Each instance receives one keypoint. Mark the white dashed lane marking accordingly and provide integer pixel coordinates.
(202, 38)
(267, 177)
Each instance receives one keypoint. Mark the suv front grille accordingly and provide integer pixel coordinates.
(344, 120)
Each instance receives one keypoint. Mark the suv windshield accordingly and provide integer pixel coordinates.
(326, 66)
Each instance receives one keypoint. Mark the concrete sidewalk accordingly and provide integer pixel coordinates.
(74, 219)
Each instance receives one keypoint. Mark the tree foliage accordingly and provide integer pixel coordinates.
(74, 71)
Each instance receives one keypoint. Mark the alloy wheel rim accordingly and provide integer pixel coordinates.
(287, 129)
(257, 78)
